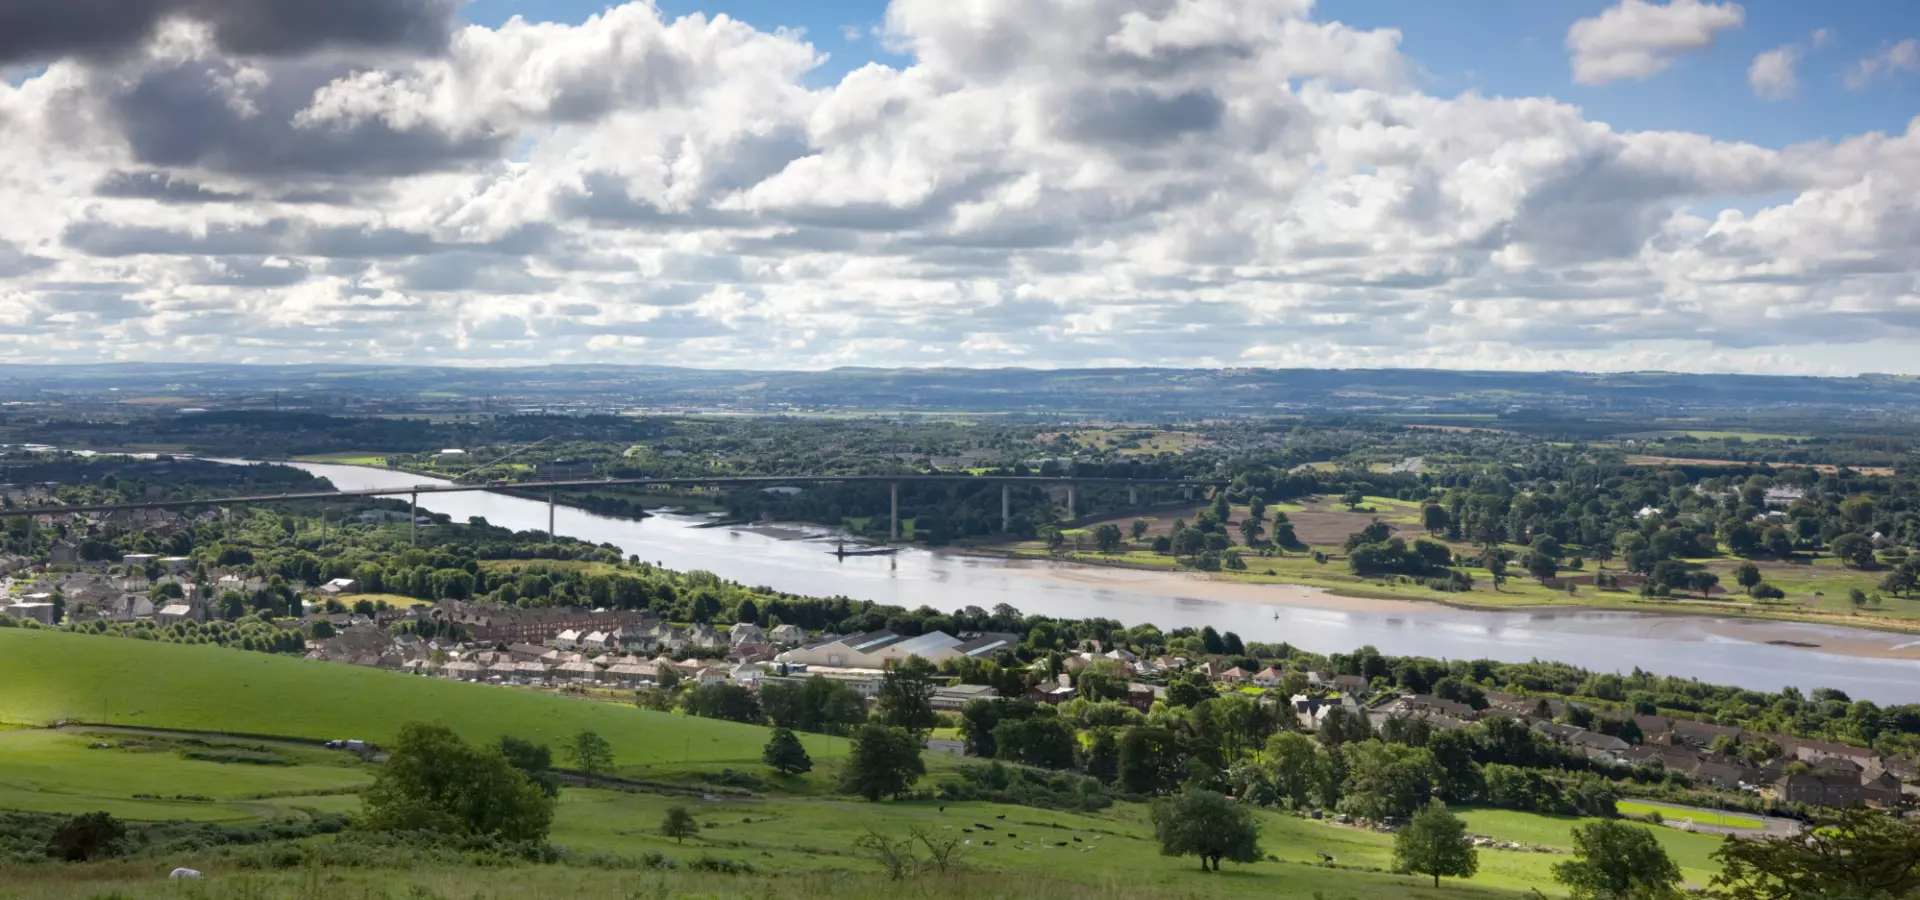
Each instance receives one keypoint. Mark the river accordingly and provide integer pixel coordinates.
(1866, 664)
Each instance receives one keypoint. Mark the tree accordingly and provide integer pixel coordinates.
(1107, 537)
(434, 781)
(1495, 561)
(1542, 566)
(1054, 537)
(666, 679)
(1140, 527)
(1856, 853)
(679, 824)
(1902, 580)
(1293, 764)
(818, 704)
(1434, 518)
(905, 697)
(1616, 861)
(1207, 825)
(83, 837)
(1704, 582)
(885, 761)
(1353, 499)
(1151, 761)
(785, 754)
(1386, 781)
(1435, 843)
(726, 700)
(1343, 726)
(1048, 742)
(536, 760)
(1855, 550)
(1747, 575)
(591, 753)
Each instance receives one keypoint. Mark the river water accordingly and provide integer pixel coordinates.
(1871, 665)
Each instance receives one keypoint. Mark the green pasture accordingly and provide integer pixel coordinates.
(53, 676)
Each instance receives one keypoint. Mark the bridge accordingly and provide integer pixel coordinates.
(413, 492)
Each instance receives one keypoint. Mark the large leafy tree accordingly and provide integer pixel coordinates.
(885, 762)
(434, 781)
(536, 760)
(1207, 825)
(1435, 843)
(905, 698)
(1616, 861)
(785, 754)
(1386, 781)
(591, 753)
(1851, 854)
(1293, 762)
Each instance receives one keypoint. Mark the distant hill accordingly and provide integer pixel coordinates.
(1139, 393)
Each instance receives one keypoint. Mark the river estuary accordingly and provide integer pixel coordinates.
(1871, 665)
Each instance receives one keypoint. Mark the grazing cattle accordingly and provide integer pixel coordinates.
(1076, 840)
(1325, 857)
(1001, 816)
(1011, 834)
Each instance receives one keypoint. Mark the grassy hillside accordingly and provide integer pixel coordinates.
(51, 675)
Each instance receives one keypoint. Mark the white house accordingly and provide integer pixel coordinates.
(567, 640)
(746, 633)
(1268, 677)
(340, 586)
(599, 640)
(788, 635)
(175, 612)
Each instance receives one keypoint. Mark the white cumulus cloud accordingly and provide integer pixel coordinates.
(1638, 39)
(1772, 74)
(1884, 63)
(1054, 182)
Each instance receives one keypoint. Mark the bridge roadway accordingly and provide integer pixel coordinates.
(1006, 483)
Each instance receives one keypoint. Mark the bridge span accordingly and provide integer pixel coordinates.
(1006, 482)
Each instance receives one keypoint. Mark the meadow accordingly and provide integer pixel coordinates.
(798, 826)
(123, 681)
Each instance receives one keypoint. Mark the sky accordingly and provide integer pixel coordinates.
(1504, 184)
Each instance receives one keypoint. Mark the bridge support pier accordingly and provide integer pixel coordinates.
(1073, 505)
(413, 518)
(550, 516)
(1133, 495)
(893, 529)
(1006, 508)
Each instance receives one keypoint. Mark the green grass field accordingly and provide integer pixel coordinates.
(1676, 814)
(139, 778)
(203, 687)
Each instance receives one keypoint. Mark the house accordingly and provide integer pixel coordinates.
(1050, 693)
(1562, 733)
(957, 696)
(1235, 675)
(1268, 677)
(1881, 790)
(1814, 751)
(577, 671)
(38, 610)
(712, 675)
(788, 635)
(1597, 741)
(177, 564)
(1441, 705)
(600, 641)
(1142, 696)
(567, 640)
(1836, 789)
(1350, 684)
(1719, 775)
(1701, 734)
(176, 612)
(64, 553)
(746, 633)
(340, 586)
(137, 560)
(747, 674)
(1655, 729)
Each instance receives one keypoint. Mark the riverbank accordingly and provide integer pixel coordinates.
(1520, 595)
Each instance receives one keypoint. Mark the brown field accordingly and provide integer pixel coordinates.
(1640, 460)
